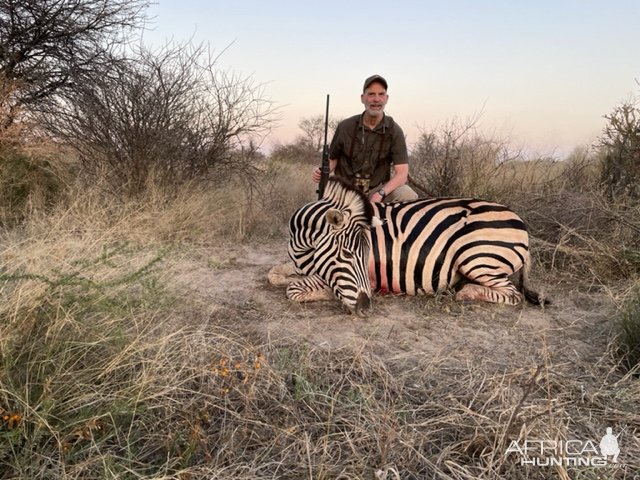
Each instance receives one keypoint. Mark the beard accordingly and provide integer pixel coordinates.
(375, 112)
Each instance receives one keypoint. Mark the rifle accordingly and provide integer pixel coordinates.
(324, 176)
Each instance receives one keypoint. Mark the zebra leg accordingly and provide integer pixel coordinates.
(508, 294)
(309, 289)
(282, 275)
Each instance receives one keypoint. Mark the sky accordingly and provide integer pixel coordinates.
(538, 74)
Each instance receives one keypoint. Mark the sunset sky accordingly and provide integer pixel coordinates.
(542, 73)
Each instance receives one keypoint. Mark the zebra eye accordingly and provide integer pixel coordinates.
(347, 254)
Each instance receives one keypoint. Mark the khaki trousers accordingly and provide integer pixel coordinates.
(403, 193)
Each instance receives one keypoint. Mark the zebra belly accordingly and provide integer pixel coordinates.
(380, 281)
(387, 275)
(410, 265)
(383, 283)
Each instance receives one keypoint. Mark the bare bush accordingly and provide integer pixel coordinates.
(313, 132)
(46, 44)
(620, 144)
(456, 160)
(581, 170)
(575, 227)
(11, 132)
(308, 146)
(170, 115)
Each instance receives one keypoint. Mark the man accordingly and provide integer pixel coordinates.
(366, 146)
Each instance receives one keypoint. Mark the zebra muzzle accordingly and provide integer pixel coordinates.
(363, 304)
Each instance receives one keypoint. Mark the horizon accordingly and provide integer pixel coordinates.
(542, 76)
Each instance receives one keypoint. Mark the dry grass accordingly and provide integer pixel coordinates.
(153, 390)
(105, 373)
(576, 229)
(628, 326)
(107, 380)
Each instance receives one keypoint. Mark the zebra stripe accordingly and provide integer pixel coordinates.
(329, 244)
(420, 247)
(430, 245)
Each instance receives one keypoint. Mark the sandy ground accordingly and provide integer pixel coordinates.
(575, 329)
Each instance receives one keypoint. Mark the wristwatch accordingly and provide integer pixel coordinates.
(381, 192)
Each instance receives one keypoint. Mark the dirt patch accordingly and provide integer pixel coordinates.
(575, 329)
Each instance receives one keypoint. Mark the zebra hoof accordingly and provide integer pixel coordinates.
(282, 275)
(470, 294)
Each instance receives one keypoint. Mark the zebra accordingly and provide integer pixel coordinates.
(329, 242)
(343, 246)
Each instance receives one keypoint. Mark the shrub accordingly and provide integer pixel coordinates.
(457, 160)
(43, 42)
(574, 225)
(166, 116)
(629, 327)
(71, 360)
(27, 183)
(620, 149)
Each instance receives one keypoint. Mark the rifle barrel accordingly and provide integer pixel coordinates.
(324, 169)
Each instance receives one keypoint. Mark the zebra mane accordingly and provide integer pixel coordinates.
(344, 195)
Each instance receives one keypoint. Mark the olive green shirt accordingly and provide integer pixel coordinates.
(365, 156)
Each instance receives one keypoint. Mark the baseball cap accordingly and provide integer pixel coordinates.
(374, 78)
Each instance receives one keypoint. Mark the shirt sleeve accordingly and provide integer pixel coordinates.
(335, 149)
(399, 154)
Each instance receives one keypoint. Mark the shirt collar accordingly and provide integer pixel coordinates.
(382, 126)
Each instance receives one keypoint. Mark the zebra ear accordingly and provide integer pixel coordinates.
(335, 218)
(376, 222)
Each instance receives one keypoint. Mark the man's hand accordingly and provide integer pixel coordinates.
(376, 198)
(317, 171)
(317, 174)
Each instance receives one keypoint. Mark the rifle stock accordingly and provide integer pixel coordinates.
(324, 169)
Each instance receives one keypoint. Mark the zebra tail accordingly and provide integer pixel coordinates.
(531, 296)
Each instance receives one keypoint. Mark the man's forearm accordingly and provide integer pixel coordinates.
(399, 178)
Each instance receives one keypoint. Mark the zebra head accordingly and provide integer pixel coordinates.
(341, 255)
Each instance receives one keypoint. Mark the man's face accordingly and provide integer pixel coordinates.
(374, 99)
